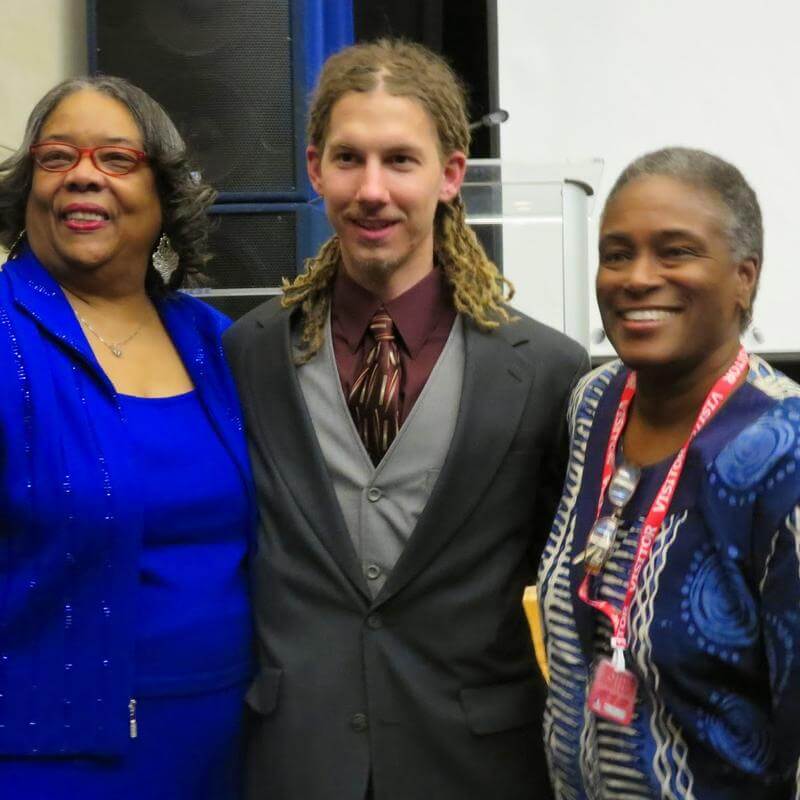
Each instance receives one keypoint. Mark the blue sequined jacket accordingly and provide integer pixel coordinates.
(70, 523)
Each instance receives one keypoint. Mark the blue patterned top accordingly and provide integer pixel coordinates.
(715, 623)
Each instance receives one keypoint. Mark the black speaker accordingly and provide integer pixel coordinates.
(255, 246)
(234, 76)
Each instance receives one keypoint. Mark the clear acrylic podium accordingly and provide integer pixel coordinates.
(532, 221)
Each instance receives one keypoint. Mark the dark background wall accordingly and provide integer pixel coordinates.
(463, 31)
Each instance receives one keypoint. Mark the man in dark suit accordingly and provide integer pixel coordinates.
(407, 437)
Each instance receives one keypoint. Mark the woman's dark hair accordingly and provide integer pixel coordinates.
(184, 197)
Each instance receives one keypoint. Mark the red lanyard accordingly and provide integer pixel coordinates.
(719, 393)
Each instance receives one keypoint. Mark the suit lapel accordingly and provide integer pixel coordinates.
(282, 427)
(497, 381)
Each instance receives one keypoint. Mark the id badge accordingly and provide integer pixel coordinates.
(612, 694)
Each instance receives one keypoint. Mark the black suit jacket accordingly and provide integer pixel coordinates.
(431, 688)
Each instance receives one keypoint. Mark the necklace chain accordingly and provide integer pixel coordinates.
(114, 347)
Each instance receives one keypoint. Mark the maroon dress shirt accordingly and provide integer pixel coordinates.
(423, 316)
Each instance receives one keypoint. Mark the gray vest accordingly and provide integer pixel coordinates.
(381, 505)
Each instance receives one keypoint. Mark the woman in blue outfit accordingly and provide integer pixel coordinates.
(670, 585)
(125, 505)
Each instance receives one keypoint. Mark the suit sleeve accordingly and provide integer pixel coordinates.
(233, 344)
(554, 468)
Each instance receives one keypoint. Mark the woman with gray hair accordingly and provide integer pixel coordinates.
(125, 491)
(670, 584)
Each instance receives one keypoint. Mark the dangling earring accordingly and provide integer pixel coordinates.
(165, 259)
(12, 250)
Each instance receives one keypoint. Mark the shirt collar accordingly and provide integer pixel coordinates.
(416, 312)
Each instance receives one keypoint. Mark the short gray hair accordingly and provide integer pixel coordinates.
(184, 198)
(712, 174)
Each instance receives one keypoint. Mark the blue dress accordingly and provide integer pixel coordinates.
(715, 622)
(124, 529)
(193, 625)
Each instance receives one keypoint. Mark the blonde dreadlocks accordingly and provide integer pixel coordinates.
(409, 70)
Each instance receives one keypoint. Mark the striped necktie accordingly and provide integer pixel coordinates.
(374, 400)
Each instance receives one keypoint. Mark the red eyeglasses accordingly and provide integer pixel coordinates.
(109, 159)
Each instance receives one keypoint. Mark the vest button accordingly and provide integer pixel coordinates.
(374, 621)
(358, 722)
(374, 494)
(373, 571)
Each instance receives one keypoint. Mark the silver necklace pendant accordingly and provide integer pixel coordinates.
(114, 347)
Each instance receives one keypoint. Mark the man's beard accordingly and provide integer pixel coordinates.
(378, 269)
